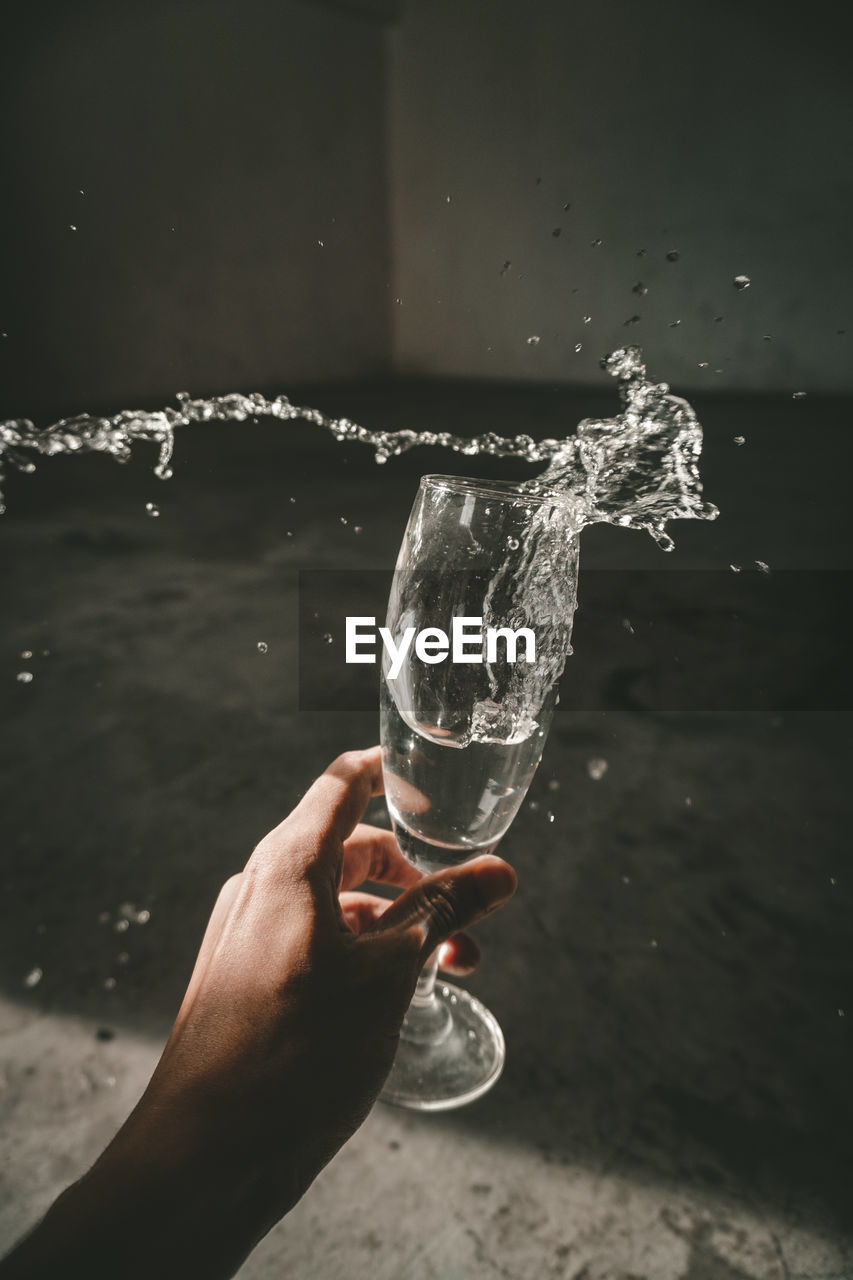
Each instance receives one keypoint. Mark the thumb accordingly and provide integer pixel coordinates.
(446, 901)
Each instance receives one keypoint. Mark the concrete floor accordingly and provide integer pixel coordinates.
(674, 975)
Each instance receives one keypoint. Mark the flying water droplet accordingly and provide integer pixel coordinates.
(767, 337)
(71, 226)
(550, 816)
(739, 439)
(799, 395)
(24, 677)
(534, 340)
(640, 288)
(674, 324)
(34, 977)
(578, 347)
(110, 984)
(673, 255)
(735, 568)
(263, 647)
(357, 528)
(26, 654)
(343, 520)
(626, 624)
(556, 232)
(596, 244)
(554, 784)
(329, 638)
(653, 944)
(587, 319)
(741, 282)
(765, 568)
(596, 768)
(631, 320)
(152, 510)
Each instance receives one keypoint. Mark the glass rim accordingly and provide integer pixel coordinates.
(499, 490)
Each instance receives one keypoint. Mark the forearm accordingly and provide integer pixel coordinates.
(169, 1212)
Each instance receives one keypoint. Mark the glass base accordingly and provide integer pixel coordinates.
(453, 1065)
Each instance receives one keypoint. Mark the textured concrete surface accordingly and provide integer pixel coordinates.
(674, 975)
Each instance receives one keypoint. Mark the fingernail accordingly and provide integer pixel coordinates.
(498, 878)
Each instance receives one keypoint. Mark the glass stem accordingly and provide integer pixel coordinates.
(428, 1020)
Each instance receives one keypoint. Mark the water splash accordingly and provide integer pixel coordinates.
(638, 469)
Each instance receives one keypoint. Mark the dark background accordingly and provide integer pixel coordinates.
(674, 977)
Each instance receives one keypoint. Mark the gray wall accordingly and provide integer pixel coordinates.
(217, 143)
(720, 130)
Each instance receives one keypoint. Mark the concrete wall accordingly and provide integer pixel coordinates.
(217, 145)
(721, 131)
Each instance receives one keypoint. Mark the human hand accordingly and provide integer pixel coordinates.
(284, 1038)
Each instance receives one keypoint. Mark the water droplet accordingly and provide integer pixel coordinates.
(512, 543)
(626, 879)
(735, 568)
(718, 319)
(121, 926)
(765, 568)
(739, 439)
(626, 623)
(24, 677)
(329, 638)
(841, 1013)
(556, 232)
(506, 266)
(641, 253)
(653, 944)
(674, 324)
(578, 347)
(263, 647)
(34, 977)
(152, 510)
(289, 533)
(703, 364)
(596, 244)
(596, 768)
(122, 958)
(533, 340)
(291, 499)
(533, 806)
(550, 816)
(631, 320)
(832, 880)
(673, 255)
(447, 199)
(343, 520)
(82, 192)
(26, 654)
(767, 337)
(381, 458)
(71, 226)
(566, 208)
(800, 395)
(398, 302)
(640, 289)
(357, 528)
(109, 984)
(688, 800)
(321, 244)
(554, 784)
(104, 917)
(741, 282)
(587, 319)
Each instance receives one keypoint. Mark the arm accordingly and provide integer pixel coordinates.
(284, 1038)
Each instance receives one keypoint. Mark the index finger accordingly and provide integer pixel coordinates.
(313, 834)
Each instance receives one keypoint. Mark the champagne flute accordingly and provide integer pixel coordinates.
(464, 722)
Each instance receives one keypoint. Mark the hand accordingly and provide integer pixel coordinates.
(284, 1038)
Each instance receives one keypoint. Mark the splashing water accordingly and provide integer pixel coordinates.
(638, 469)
